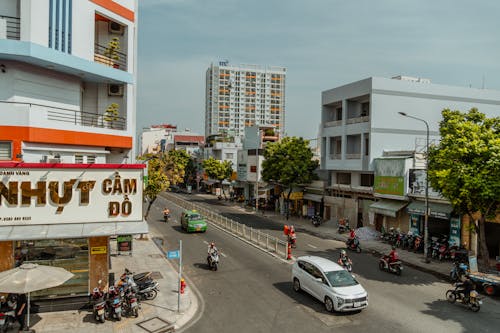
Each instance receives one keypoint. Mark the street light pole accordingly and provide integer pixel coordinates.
(426, 216)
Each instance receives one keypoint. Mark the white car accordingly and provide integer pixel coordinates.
(330, 283)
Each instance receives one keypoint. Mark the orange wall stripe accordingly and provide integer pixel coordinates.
(115, 8)
(17, 134)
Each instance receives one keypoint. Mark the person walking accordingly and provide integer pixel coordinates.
(21, 309)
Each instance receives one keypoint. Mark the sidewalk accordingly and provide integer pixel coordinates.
(328, 230)
(154, 316)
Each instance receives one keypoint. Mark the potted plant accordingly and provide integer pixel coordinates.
(112, 51)
(111, 114)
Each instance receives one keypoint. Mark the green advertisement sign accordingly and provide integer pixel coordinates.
(389, 185)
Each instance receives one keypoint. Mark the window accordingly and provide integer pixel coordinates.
(338, 114)
(365, 109)
(253, 168)
(343, 178)
(229, 155)
(91, 159)
(78, 159)
(367, 179)
(6, 151)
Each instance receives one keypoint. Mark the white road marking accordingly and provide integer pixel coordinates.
(314, 247)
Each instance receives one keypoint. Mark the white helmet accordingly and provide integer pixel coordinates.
(342, 252)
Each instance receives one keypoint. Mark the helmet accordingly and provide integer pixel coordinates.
(393, 248)
(212, 244)
(342, 252)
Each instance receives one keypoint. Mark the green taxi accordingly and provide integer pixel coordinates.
(192, 221)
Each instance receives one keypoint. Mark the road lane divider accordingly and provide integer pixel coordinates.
(314, 247)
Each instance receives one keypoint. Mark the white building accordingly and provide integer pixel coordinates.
(360, 123)
(68, 97)
(242, 96)
(155, 138)
(67, 81)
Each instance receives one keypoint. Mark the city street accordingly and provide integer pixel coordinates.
(252, 291)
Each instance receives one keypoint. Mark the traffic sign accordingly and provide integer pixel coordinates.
(173, 254)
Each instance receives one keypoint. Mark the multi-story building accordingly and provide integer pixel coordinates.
(360, 124)
(243, 96)
(155, 138)
(68, 118)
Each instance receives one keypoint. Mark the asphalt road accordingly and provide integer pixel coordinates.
(252, 291)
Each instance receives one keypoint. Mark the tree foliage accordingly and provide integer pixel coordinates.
(288, 163)
(465, 166)
(164, 170)
(216, 169)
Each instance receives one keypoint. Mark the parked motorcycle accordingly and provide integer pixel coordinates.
(473, 302)
(7, 316)
(114, 304)
(353, 244)
(346, 263)
(395, 267)
(458, 270)
(130, 303)
(139, 277)
(213, 260)
(99, 304)
(343, 226)
(316, 220)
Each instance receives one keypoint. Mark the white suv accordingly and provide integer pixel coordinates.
(330, 283)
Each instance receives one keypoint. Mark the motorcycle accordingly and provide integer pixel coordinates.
(473, 302)
(316, 220)
(114, 304)
(458, 271)
(7, 317)
(139, 277)
(395, 267)
(353, 244)
(213, 260)
(99, 305)
(343, 226)
(346, 263)
(166, 216)
(131, 303)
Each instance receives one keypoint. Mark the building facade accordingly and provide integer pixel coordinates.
(68, 118)
(360, 123)
(242, 96)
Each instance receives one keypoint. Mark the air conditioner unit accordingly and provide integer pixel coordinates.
(116, 28)
(115, 90)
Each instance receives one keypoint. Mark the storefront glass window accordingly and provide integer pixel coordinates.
(70, 254)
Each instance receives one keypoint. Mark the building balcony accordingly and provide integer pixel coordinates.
(38, 115)
(105, 56)
(333, 123)
(358, 120)
(10, 27)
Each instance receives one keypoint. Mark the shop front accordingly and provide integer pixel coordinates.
(440, 221)
(389, 214)
(64, 214)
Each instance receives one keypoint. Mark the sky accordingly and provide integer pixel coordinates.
(322, 43)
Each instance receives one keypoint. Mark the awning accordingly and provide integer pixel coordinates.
(209, 182)
(313, 197)
(71, 230)
(388, 207)
(437, 210)
(266, 188)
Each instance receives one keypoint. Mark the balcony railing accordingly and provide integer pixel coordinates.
(333, 123)
(75, 117)
(358, 120)
(12, 27)
(117, 60)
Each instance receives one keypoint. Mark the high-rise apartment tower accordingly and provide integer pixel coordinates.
(242, 96)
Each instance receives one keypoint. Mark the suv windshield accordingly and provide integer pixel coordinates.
(340, 278)
(194, 217)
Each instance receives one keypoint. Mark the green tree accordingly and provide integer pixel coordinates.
(465, 167)
(219, 170)
(289, 163)
(164, 170)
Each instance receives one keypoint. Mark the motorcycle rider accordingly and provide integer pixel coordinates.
(166, 211)
(343, 259)
(352, 237)
(211, 248)
(466, 286)
(292, 237)
(393, 256)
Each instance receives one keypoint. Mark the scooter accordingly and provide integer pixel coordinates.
(130, 302)
(353, 244)
(99, 304)
(114, 304)
(166, 216)
(393, 267)
(139, 277)
(7, 318)
(316, 220)
(346, 264)
(213, 260)
(459, 269)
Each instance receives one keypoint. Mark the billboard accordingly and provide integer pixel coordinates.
(30, 196)
(389, 176)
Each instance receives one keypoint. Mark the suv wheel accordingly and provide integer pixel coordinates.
(296, 285)
(329, 304)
